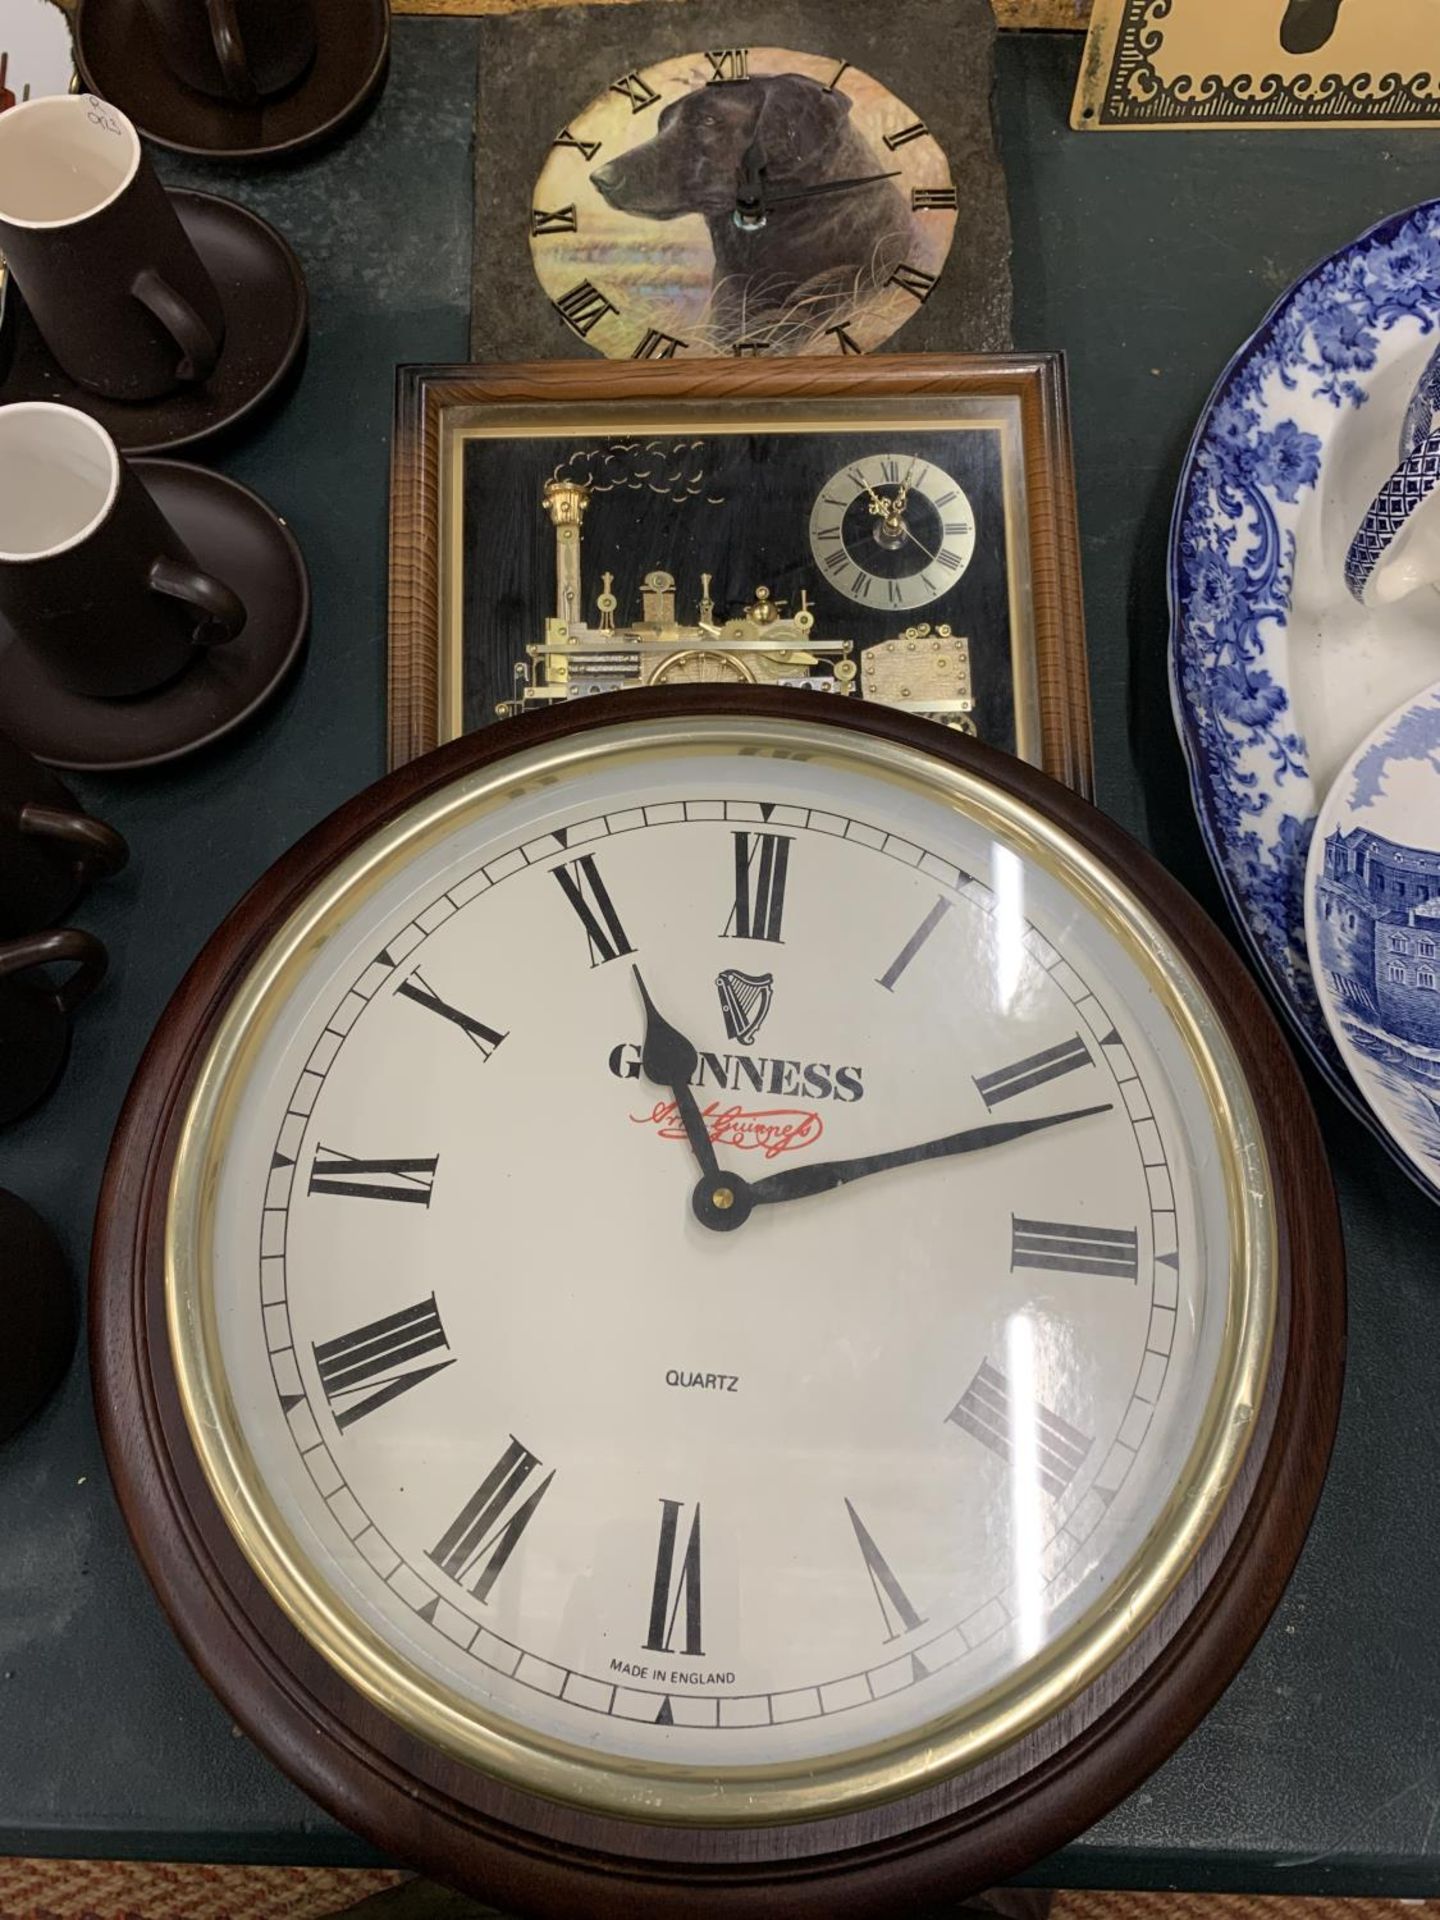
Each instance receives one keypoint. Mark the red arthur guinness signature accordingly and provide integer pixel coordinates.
(779, 1130)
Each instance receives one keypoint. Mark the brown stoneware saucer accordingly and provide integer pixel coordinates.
(116, 52)
(262, 289)
(245, 543)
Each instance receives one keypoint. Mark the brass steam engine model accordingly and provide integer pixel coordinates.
(923, 670)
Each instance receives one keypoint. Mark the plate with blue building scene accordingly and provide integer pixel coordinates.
(1372, 925)
(1277, 671)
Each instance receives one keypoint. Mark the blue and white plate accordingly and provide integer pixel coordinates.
(1277, 670)
(1372, 925)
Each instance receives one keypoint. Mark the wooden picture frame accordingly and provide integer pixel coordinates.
(438, 406)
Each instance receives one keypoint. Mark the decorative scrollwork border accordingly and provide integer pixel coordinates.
(1136, 95)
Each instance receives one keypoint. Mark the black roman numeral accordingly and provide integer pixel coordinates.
(839, 75)
(914, 131)
(1055, 1246)
(638, 92)
(677, 1578)
(895, 1609)
(561, 220)
(984, 1410)
(480, 1539)
(728, 63)
(376, 1361)
(890, 472)
(1034, 1071)
(950, 561)
(342, 1173)
(658, 346)
(417, 988)
(747, 349)
(762, 861)
(843, 342)
(914, 280)
(934, 199)
(587, 149)
(584, 307)
(891, 976)
(582, 886)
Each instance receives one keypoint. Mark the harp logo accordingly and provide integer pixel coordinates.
(744, 1001)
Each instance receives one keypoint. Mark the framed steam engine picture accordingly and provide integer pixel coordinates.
(899, 530)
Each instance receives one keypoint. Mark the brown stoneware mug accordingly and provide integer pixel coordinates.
(94, 581)
(35, 1013)
(97, 249)
(50, 848)
(37, 1300)
(238, 50)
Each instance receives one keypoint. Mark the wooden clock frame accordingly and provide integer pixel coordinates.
(425, 395)
(538, 1856)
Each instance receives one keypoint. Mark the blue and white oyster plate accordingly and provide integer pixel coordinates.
(1372, 924)
(1278, 672)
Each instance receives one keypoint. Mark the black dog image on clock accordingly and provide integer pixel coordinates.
(812, 250)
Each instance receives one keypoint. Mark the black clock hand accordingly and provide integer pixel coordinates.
(774, 195)
(750, 187)
(668, 1060)
(725, 1204)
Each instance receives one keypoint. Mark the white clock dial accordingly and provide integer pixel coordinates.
(726, 1465)
(892, 531)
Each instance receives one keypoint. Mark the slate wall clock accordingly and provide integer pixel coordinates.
(718, 1304)
(742, 200)
(884, 527)
(741, 179)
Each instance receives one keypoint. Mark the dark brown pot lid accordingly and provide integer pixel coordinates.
(233, 534)
(262, 289)
(118, 58)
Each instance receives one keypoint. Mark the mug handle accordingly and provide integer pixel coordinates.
(199, 348)
(230, 52)
(101, 847)
(224, 613)
(46, 949)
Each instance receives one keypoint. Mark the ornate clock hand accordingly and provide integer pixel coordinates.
(725, 1205)
(668, 1060)
(754, 197)
(750, 196)
(775, 195)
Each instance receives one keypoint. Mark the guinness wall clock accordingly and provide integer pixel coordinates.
(738, 178)
(722, 1303)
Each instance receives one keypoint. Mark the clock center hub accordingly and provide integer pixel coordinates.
(723, 1204)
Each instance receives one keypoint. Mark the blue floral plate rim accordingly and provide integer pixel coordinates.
(1282, 931)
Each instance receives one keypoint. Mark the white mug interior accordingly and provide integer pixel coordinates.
(63, 159)
(1412, 559)
(59, 475)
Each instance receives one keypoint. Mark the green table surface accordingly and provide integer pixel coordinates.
(1149, 258)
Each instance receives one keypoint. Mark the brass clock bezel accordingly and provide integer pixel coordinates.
(756, 1796)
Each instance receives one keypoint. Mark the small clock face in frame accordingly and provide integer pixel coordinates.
(893, 531)
(720, 1256)
(649, 246)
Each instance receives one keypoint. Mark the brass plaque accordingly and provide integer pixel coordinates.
(1259, 63)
